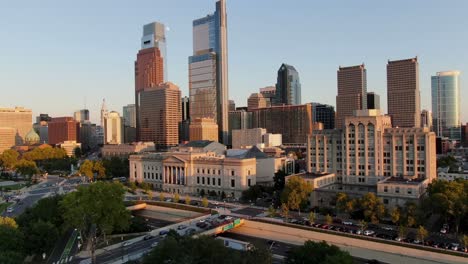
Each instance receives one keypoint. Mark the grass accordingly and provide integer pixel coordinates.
(4, 206)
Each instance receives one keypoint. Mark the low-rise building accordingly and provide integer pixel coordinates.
(246, 138)
(396, 191)
(446, 174)
(69, 147)
(125, 150)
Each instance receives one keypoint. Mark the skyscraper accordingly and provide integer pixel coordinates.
(403, 100)
(18, 118)
(256, 100)
(208, 69)
(426, 119)
(81, 115)
(160, 114)
(113, 128)
(324, 114)
(352, 92)
(269, 93)
(373, 101)
(288, 86)
(446, 104)
(104, 112)
(63, 129)
(150, 65)
(129, 115)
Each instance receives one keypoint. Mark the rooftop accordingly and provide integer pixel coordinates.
(198, 143)
(400, 180)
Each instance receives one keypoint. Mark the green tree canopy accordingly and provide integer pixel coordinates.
(318, 253)
(299, 188)
(373, 208)
(100, 203)
(26, 167)
(9, 158)
(11, 245)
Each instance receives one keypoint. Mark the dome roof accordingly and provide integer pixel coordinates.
(32, 137)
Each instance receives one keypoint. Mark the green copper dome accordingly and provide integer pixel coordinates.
(32, 138)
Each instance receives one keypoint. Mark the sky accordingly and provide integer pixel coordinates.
(60, 56)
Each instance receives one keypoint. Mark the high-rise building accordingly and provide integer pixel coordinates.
(184, 125)
(129, 115)
(403, 98)
(81, 115)
(7, 138)
(63, 129)
(151, 62)
(232, 105)
(160, 114)
(288, 86)
(373, 101)
(185, 108)
(446, 104)
(256, 100)
(113, 128)
(352, 92)
(104, 112)
(203, 129)
(18, 118)
(43, 117)
(324, 114)
(426, 119)
(208, 69)
(88, 135)
(239, 119)
(269, 93)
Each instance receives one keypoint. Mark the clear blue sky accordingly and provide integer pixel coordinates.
(54, 54)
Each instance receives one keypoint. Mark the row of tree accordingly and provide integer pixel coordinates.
(105, 168)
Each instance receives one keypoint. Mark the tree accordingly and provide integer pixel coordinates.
(11, 245)
(9, 158)
(279, 180)
(271, 211)
(41, 237)
(7, 221)
(372, 207)
(363, 225)
(205, 202)
(402, 231)
(150, 195)
(78, 153)
(26, 167)
(176, 197)
(285, 210)
(98, 167)
(100, 203)
(341, 201)
(202, 193)
(86, 168)
(422, 233)
(410, 221)
(161, 197)
(299, 189)
(146, 187)
(312, 217)
(132, 186)
(328, 219)
(464, 241)
(294, 201)
(318, 253)
(187, 199)
(395, 214)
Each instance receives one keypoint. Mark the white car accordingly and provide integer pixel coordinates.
(347, 223)
(228, 217)
(387, 228)
(9, 209)
(155, 244)
(368, 232)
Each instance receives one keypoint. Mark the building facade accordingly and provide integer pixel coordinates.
(125, 150)
(160, 114)
(208, 69)
(81, 115)
(403, 98)
(63, 129)
(129, 115)
(373, 101)
(446, 104)
(269, 93)
(352, 92)
(203, 129)
(426, 119)
(7, 138)
(113, 129)
(18, 118)
(256, 100)
(246, 138)
(288, 86)
(324, 114)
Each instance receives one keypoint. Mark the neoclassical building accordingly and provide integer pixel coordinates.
(191, 168)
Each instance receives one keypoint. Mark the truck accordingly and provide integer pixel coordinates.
(236, 244)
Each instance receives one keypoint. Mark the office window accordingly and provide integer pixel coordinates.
(232, 173)
(233, 183)
(219, 181)
(248, 182)
(208, 180)
(203, 180)
(198, 180)
(397, 189)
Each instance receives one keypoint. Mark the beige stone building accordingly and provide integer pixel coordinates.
(245, 138)
(189, 170)
(18, 118)
(255, 101)
(69, 147)
(203, 129)
(124, 150)
(7, 138)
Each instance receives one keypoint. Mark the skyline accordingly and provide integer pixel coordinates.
(91, 51)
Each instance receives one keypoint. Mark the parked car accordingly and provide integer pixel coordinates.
(190, 231)
(399, 239)
(9, 209)
(155, 244)
(163, 232)
(358, 232)
(388, 228)
(181, 227)
(368, 232)
(416, 241)
(148, 237)
(347, 223)
(454, 246)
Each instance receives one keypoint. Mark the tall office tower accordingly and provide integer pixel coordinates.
(18, 118)
(352, 92)
(150, 65)
(403, 100)
(269, 93)
(232, 105)
(288, 86)
(81, 115)
(129, 115)
(426, 119)
(104, 112)
(446, 104)
(239, 119)
(184, 125)
(185, 108)
(256, 100)
(324, 114)
(208, 69)
(88, 135)
(203, 129)
(160, 114)
(113, 128)
(63, 129)
(373, 101)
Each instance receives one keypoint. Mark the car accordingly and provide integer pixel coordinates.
(202, 225)
(416, 241)
(317, 225)
(169, 200)
(221, 217)
(388, 228)
(347, 223)
(163, 232)
(228, 217)
(155, 244)
(148, 237)
(368, 232)
(9, 209)
(126, 244)
(215, 203)
(399, 239)
(181, 227)
(358, 232)
(454, 246)
(190, 231)
(324, 227)
(202, 221)
(20, 202)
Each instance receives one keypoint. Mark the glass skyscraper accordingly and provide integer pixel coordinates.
(446, 104)
(288, 86)
(208, 78)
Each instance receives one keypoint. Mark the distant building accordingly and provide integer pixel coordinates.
(185, 108)
(18, 118)
(324, 114)
(464, 135)
(113, 128)
(104, 112)
(426, 119)
(403, 95)
(125, 150)
(43, 117)
(88, 136)
(7, 138)
(446, 104)
(160, 114)
(69, 147)
(81, 115)
(269, 93)
(373, 101)
(63, 129)
(232, 105)
(246, 138)
(129, 115)
(255, 101)
(446, 174)
(203, 129)
(288, 86)
(239, 119)
(352, 92)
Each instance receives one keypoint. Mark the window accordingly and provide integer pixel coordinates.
(219, 181)
(248, 182)
(397, 189)
(208, 171)
(198, 180)
(208, 180)
(219, 172)
(385, 188)
(233, 183)
(385, 201)
(410, 191)
(232, 173)
(203, 180)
